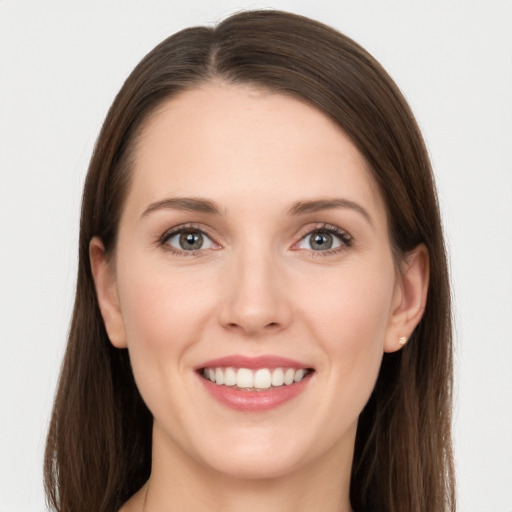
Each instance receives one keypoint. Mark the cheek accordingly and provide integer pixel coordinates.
(163, 314)
(354, 305)
(161, 309)
(350, 314)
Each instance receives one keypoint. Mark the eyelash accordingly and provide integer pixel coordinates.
(344, 237)
(164, 239)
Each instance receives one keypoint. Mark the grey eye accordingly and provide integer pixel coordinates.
(320, 241)
(190, 240)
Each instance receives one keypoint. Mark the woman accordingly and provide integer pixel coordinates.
(262, 317)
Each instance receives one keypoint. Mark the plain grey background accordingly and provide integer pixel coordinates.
(62, 62)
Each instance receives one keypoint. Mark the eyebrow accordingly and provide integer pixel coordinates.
(318, 205)
(191, 204)
(194, 204)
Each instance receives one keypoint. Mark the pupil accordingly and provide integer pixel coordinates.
(191, 241)
(322, 241)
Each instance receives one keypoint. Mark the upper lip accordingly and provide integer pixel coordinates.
(252, 363)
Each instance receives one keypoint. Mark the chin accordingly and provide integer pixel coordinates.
(263, 458)
(257, 468)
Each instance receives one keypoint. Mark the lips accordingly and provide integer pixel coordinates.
(254, 383)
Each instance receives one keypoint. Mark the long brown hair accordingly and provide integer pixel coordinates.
(99, 444)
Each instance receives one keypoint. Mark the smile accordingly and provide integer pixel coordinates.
(254, 384)
(254, 379)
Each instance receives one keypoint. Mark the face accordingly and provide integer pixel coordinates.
(253, 250)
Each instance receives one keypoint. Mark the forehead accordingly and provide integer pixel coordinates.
(225, 142)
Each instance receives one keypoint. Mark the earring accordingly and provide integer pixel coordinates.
(402, 340)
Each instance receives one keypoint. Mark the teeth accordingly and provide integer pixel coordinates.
(278, 377)
(288, 376)
(299, 375)
(229, 377)
(263, 378)
(244, 378)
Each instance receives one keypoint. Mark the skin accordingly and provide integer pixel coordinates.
(258, 288)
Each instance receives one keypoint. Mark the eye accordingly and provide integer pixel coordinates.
(189, 240)
(324, 239)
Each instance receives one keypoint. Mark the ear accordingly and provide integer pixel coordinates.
(409, 298)
(106, 291)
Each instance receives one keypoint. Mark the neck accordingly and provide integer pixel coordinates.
(179, 482)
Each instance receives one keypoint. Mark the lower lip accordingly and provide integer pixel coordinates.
(255, 401)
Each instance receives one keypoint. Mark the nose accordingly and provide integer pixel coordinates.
(255, 298)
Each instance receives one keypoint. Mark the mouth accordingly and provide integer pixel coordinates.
(260, 379)
(254, 384)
